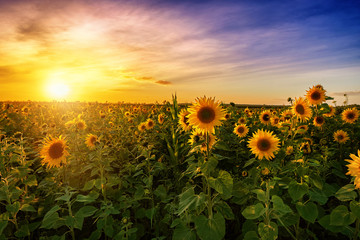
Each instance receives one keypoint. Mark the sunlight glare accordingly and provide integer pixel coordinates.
(58, 90)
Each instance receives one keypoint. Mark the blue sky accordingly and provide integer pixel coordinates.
(241, 51)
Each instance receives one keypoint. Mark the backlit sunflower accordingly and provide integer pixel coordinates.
(150, 124)
(341, 136)
(184, 119)
(54, 152)
(316, 95)
(350, 115)
(354, 168)
(227, 116)
(161, 118)
(205, 114)
(142, 126)
(91, 140)
(80, 124)
(319, 121)
(196, 137)
(241, 130)
(211, 140)
(263, 144)
(287, 114)
(265, 117)
(301, 109)
(289, 150)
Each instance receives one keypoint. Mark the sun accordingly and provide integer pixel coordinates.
(58, 90)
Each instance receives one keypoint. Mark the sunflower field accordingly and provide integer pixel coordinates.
(205, 170)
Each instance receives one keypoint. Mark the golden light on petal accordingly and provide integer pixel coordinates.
(54, 152)
(264, 144)
(301, 109)
(265, 117)
(316, 95)
(354, 168)
(319, 121)
(350, 115)
(205, 114)
(341, 136)
(91, 140)
(241, 130)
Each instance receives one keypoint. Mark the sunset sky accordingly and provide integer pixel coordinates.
(249, 52)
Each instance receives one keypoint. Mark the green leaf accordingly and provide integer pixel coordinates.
(27, 208)
(209, 165)
(23, 231)
(182, 232)
(253, 211)
(297, 190)
(210, 228)
(31, 181)
(3, 225)
(161, 192)
(268, 232)
(223, 184)
(260, 194)
(318, 196)
(317, 181)
(189, 200)
(91, 197)
(223, 208)
(340, 216)
(89, 185)
(325, 223)
(355, 208)
(346, 193)
(307, 211)
(86, 211)
(251, 235)
(13, 208)
(249, 162)
(280, 206)
(50, 218)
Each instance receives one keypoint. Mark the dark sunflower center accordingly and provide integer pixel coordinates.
(196, 139)
(266, 117)
(315, 95)
(350, 116)
(206, 114)
(276, 121)
(227, 116)
(242, 120)
(150, 124)
(56, 150)
(319, 120)
(340, 137)
(263, 144)
(93, 140)
(241, 130)
(300, 109)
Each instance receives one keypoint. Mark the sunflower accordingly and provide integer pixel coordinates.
(305, 147)
(287, 114)
(91, 140)
(142, 126)
(54, 151)
(184, 120)
(150, 124)
(341, 136)
(161, 118)
(350, 115)
(211, 140)
(302, 128)
(263, 144)
(319, 121)
(275, 121)
(242, 120)
(316, 95)
(196, 137)
(241, 130)
(80, 124)
(289, 150)
(127, 114)
(354, 168)
(301, 109)
(331, 113)
(227, 116)
(265, 117)
(205, 114)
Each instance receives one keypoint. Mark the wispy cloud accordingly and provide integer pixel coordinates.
(349, 93)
